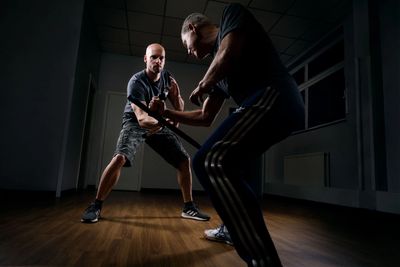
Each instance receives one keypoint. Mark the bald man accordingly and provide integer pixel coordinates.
(138, 127)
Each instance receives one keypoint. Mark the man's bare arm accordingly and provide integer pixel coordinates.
(174, 96)
(225, 59)
(145, 121)
(199, 117)
(223, 63)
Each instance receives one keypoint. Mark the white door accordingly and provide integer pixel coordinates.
(131, 176)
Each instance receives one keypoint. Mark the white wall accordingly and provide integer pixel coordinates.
(115, 72)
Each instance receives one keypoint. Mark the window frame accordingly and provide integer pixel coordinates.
(322, 75)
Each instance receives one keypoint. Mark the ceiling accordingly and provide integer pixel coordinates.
(128, 26)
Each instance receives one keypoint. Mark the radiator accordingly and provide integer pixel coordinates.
(310, 169)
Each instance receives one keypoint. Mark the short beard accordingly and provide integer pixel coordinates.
(156, 70)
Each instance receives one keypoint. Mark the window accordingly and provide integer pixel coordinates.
(332, 56)
(326, 100)
(299, 76)
(320, 76)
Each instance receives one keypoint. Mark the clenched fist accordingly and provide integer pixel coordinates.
(157, 105)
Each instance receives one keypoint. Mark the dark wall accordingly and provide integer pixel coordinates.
(389, 22)
(364, 149)
(87, 71)
(39, 51)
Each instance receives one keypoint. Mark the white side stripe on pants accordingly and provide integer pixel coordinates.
(234, 207)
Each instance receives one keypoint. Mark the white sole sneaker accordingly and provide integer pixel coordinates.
(188, 216)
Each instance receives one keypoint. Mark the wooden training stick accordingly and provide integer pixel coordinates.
(165, 123)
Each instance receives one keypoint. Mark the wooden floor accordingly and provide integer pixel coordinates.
(145, 229)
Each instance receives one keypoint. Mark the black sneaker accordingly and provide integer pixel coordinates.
(193, 212)
(91, 214)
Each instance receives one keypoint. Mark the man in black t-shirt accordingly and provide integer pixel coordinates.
(246, 67)
(139, 127)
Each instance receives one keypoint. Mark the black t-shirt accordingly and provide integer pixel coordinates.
(141, 88)
(259, 64)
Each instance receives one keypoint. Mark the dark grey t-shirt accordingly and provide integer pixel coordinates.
(259, 64)
(140, 87)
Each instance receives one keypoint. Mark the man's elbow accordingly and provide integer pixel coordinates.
(141, 122)
(207, 121)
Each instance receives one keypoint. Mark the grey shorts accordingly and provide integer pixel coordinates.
(164, 142)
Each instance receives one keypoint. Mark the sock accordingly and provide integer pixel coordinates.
(98, 203)
(189, 204)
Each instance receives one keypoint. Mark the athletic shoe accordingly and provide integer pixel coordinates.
(219, 234)
(193, 212)
(91, 214)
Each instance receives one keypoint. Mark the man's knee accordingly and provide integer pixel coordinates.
(220, 159)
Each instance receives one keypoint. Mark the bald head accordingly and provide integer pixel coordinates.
(155, 48)
(154, 59)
